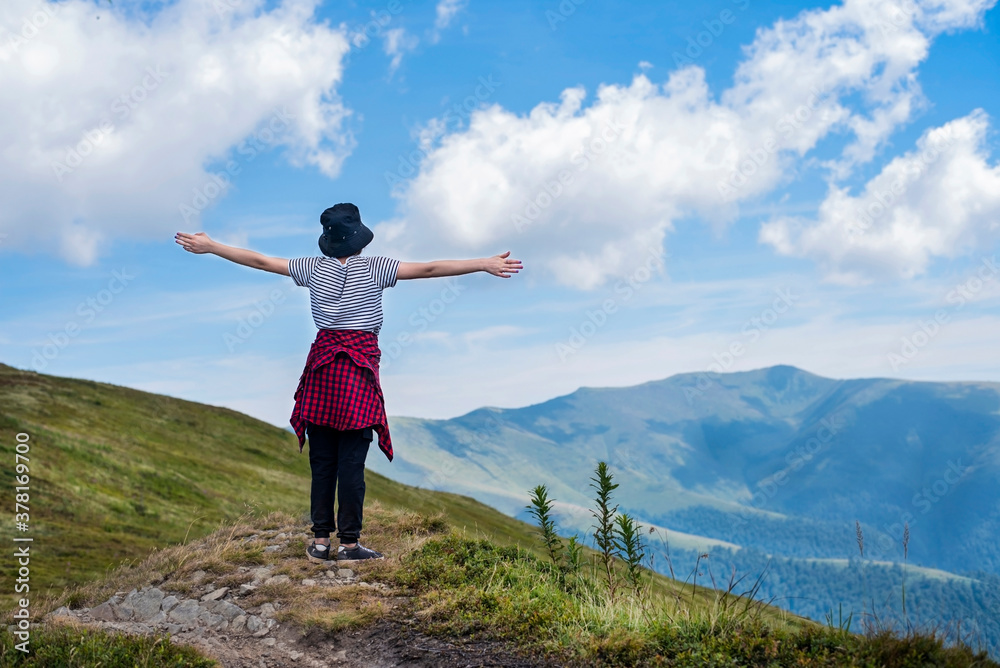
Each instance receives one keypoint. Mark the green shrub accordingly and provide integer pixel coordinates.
(66, 647)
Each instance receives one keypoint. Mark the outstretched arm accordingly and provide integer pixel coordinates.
(200, 243)
(499, 265)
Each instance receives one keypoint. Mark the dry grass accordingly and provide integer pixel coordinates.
(221, 554)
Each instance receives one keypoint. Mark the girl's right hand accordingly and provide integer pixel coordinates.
(194, 243)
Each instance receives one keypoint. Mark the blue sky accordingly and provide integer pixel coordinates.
(713, 159)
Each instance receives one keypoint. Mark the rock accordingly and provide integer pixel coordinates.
(198, 575)
(281, 536)
(210, 605)
(277, 579)
(254, 623)
(246, 589)
(122, 611)
(212, 620)
(345, 573)
(340, 656)
(185, 612)
(261, 633)
(216, 594)
(103, 612)
(270, 642)
(267, 610)
(147, 603)
(168, 603)
(238, 623)
(331, 574)
(158, 619)
(228, 610)
(172, 629)
(274, 548)
(261, 574)
(126, 610)
(308, 583)
(295, 656)
(61, 611)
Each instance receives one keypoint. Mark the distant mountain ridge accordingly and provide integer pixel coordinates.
(770, 442)
(774, 461)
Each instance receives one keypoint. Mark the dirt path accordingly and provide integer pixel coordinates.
(231, 625)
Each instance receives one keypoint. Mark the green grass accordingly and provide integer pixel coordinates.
(65, 646)
(116, 472)
(467, 588)
(127, 486)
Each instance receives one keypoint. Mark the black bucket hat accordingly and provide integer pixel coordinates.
(343, 232)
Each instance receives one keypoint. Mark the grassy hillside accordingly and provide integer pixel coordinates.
(444, 600)
(116, 472)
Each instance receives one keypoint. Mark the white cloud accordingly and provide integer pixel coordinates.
(446, 11)
(109, 124)
(940, 200)
(589, 189)
(397, 43)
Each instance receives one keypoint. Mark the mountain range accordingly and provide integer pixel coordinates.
(772, 465)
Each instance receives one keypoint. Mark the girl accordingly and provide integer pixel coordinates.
(339, 402)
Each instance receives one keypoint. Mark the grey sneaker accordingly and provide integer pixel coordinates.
(357, 553)
(319, 553)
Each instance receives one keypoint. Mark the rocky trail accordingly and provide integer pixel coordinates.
(228, 624)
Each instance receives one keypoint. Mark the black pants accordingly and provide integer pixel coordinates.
(337, 458)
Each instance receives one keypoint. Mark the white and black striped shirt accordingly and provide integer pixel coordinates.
(345, 296)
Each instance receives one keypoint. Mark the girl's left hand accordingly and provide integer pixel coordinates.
(503, 265)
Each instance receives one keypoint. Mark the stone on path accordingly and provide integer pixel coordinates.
(185, 612)
(146, 604)
(216, 594)
(103, 612)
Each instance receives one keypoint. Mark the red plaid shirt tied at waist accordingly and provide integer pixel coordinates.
(340, 388)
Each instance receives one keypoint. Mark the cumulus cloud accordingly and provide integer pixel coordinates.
(109, 123)
(941, 199)
(589, 190)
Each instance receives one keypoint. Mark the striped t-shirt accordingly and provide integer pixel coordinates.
(345, 296)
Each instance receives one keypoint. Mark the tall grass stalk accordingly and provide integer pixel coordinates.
(604, 529)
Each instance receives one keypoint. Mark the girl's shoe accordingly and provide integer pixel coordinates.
(319, 553)
(357, 553)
